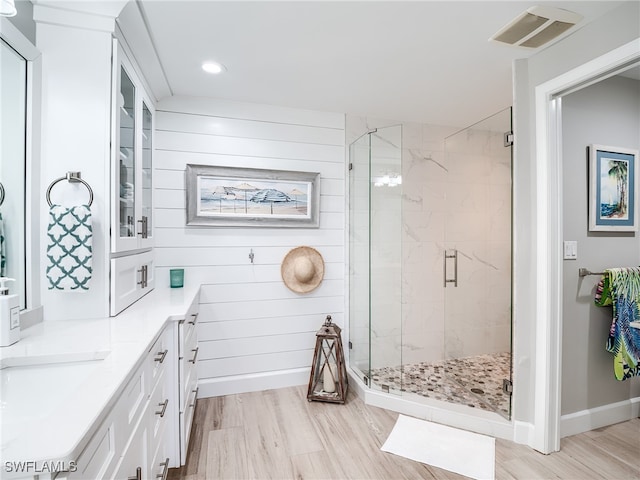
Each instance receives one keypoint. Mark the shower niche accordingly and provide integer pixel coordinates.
(430, 269)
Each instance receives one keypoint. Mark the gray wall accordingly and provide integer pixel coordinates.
(597, 38)
(607, 113)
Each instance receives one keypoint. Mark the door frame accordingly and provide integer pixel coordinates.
(548, 238)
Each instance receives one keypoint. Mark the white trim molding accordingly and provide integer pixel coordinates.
(548, 350)
(598, 417)
(100, 16)
(254, 382)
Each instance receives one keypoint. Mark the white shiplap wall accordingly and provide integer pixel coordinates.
(254, 333)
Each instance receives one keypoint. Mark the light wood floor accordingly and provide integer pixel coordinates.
(277, 434)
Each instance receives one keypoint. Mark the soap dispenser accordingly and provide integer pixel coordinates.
(9, 315)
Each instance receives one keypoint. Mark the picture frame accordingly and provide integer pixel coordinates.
(613, 197)
(251, 197)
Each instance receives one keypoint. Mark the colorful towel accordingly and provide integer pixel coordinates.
(69, 248)
(620, 287)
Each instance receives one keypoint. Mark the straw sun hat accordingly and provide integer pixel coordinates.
(302, 269)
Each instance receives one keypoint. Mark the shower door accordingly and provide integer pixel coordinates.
(477, 262)
(359, 337)
(375, 249)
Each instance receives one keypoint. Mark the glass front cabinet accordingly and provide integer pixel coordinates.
(132, 175)
(131, 186)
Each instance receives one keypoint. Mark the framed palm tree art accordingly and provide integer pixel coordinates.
(613, 200)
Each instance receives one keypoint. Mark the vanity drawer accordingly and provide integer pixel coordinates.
(190, 384)
(159, 412)
(134, 398)
(188, 371)
(159, 357)
(186, 420)
(187, 330)
(99, 458)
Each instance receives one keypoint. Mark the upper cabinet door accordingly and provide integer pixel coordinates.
(132, 158)
(126, 163)
(145, 217)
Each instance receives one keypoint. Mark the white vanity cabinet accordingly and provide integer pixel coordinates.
(187, 374)
(130, 391)
(134, 441)
(163, 408)
(132, 185)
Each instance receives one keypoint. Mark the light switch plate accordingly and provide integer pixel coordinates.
(570, 250)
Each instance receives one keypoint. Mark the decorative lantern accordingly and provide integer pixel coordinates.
(328, 381)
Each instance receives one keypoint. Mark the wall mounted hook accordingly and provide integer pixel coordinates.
(251, 255)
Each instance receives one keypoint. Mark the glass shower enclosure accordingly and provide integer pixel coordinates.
(430, 266)
(375, 252)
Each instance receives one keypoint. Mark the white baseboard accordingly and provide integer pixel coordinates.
(523, 433)
(215, 387)
(590, 419)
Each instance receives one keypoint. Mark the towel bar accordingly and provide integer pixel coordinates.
(72, 177)
(583, 272)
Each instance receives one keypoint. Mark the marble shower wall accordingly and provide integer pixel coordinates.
(446, 201)
(478, 209)
(424, 218)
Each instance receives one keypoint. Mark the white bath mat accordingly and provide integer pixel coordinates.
(458, 451)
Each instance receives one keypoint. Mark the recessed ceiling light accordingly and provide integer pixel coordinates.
(213, 67)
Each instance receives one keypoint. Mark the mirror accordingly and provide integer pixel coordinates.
(13, 128)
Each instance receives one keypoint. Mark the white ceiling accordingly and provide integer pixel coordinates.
(426, 61)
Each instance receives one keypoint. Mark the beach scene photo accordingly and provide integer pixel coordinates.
(235, 197)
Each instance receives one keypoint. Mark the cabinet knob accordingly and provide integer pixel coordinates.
(165, 470)
(195, 354)
(144, 276)
(195, 397)
(161, 355)
(144, 227)
(138, 475)
(164, 408)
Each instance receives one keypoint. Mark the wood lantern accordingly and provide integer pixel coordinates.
(328, 381)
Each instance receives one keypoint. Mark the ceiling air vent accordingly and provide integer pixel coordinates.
(536, 26)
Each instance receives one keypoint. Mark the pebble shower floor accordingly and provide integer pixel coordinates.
(473, 381)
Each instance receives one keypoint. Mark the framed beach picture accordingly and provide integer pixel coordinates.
(251, 197)
(613, 177)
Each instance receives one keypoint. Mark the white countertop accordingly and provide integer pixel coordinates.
(59, 381)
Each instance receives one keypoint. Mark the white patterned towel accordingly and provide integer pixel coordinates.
(69, 248)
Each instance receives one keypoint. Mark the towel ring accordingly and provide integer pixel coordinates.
(72, 177)
(1, 194)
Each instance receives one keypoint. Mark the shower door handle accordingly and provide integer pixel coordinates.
(451, 254)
